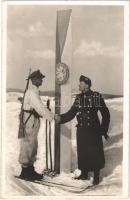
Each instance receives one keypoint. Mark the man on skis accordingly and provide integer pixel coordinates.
(33, 109)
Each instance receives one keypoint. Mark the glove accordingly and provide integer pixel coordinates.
(106, 137)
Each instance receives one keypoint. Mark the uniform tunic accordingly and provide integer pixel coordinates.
(28, 144)
(89, 129)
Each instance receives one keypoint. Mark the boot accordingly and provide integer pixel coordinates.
(96, 177)
(83, 176)
(33, 174)
(24, 173)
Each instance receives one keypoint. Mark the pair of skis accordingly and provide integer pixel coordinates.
(50, 182)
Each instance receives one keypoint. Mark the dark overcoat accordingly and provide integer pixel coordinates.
(89, 129)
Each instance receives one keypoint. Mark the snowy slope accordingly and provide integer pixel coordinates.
(111, 175)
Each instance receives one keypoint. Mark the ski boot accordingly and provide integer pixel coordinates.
(33, 174)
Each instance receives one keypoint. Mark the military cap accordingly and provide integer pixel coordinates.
(36, 74)
(85, 79)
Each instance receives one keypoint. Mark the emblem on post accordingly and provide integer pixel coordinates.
(62, 73)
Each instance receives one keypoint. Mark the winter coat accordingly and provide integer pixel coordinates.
(89, 129)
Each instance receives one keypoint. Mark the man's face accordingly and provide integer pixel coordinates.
(83, 86)
(37, 81)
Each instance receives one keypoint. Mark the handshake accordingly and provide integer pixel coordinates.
(57, 118)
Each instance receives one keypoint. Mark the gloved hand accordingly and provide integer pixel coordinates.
(106, 137)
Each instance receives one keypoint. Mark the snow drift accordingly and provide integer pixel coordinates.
(111, 175)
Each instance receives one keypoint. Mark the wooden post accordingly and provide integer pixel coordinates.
(62, 157)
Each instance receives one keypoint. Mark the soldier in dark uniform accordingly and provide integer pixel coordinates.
(89, 129)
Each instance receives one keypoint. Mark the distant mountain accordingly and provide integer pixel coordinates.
(111, 96)
(52, 93)
(105, 96)
(42, 93)
(14, 90)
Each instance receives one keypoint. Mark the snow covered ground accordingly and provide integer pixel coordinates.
(111, 175)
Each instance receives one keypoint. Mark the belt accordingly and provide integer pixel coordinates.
(33, 112)
(27, 111)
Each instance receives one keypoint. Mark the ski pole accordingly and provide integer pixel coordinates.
(50, 145)
(50, 148)
(46, 146)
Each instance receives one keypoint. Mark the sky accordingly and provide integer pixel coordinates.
(97, 43)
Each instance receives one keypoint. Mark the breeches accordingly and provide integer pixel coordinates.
(29, 144)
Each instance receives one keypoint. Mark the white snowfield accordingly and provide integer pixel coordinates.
(111, 175)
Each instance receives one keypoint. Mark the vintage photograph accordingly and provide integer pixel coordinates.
(65, 130)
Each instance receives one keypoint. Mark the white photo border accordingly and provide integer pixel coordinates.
(126, 120)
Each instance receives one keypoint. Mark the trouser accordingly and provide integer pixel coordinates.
(29, 144)
(96, 173)
(84, 172)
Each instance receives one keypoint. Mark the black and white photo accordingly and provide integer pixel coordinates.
(65, 99)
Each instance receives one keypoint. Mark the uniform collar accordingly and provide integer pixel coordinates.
(87, 92)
